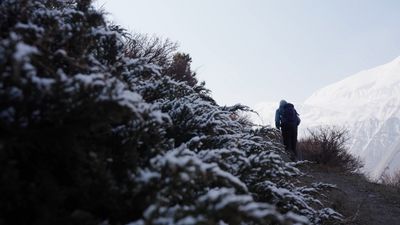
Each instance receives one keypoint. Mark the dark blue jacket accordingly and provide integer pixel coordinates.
(278, 116)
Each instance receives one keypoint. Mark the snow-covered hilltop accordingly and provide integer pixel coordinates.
(368, 104)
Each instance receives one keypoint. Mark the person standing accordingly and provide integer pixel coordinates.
(287, 120)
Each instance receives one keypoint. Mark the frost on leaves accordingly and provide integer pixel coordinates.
(105, 133)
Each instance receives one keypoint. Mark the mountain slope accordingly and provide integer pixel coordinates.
(368, 103)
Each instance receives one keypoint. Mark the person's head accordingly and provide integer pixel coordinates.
(282, 103)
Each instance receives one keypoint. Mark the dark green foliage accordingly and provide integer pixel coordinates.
(67, 144)
(99, 126)
(180, 70)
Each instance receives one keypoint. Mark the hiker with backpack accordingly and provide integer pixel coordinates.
(287, 120)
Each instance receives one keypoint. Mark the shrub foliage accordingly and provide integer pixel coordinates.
(100, 126)
(391, 179)
(328, 146)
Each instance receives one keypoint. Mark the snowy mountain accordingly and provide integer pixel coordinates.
(368, 104)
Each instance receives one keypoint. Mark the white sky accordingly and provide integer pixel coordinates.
(262, 50)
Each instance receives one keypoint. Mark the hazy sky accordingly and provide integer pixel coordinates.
(259, 51)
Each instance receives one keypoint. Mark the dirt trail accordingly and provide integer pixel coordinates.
(360, 201)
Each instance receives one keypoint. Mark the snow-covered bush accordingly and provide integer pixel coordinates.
(93, 133)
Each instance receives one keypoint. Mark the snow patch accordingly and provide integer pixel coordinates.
(22, 51)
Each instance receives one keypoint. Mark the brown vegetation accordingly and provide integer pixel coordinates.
(391, 179)
(327, 146)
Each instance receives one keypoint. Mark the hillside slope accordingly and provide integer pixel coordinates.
(368, 103)
(362, 202)
(99, 126)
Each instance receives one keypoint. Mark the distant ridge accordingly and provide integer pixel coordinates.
(368, 103)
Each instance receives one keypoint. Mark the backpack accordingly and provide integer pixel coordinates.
(289, 115)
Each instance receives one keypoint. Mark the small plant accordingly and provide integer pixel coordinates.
(327, 146)
(391, 179)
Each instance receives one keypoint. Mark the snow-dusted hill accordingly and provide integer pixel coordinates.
(368, 104)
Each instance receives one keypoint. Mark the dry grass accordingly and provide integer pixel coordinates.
(392, 180)
(327, 146)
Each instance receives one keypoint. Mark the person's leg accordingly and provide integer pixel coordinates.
(290, 136)
(294, 140)
(285, 136)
